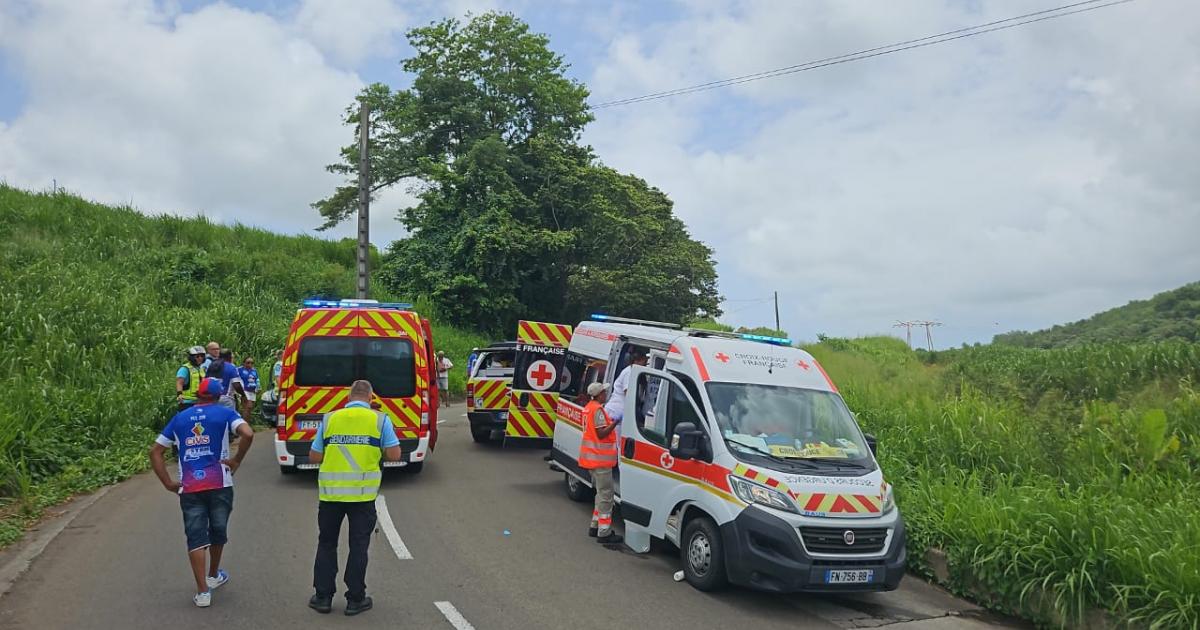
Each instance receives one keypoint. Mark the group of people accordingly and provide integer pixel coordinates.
(239, 383)
(348, 483)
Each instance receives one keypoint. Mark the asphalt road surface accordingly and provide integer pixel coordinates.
(121, 562)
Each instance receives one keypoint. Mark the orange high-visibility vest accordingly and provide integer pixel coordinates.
(594, 451)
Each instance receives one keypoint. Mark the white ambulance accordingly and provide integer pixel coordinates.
(739, 450)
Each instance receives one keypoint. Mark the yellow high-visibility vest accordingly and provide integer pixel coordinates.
(192, 387)
(350, 470)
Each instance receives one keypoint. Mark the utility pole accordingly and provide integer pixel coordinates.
(777, 328)
(928, 332)
(907, 326)
(364, 201)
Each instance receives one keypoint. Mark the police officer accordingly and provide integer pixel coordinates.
(188, 377)
(348, 446)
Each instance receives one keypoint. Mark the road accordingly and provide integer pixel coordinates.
(494, 544)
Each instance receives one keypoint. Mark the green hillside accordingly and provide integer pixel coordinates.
(99, 305)
(1169, 315)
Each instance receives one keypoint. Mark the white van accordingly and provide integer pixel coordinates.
(739, 450)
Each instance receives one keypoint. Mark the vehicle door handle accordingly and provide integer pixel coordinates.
(628, 449)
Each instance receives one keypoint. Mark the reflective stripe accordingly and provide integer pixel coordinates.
(338, 490)
(599, 446)
(349, 458)
(350, 476)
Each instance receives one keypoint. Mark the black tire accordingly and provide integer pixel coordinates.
(703, 555)
(577, 490)
(413, 469)
(287, 470)
(482, 435)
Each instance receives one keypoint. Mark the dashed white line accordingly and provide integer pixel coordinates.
(389, 529)
(453, 616)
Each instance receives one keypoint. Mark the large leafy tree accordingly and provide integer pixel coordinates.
(516, 219)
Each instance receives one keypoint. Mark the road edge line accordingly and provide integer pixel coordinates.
(452, 615)
(389, 529)
(35, 545)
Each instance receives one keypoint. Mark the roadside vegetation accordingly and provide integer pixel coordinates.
(1057, 483)
(99, 304)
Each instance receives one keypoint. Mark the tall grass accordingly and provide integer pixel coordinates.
(1058, 482)
(97, 306)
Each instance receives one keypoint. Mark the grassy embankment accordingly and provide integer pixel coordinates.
(1056, 482)
(99, 304)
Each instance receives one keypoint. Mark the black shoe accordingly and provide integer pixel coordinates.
(321, 604)
(610, 539)
(591, 532)
(355, 607)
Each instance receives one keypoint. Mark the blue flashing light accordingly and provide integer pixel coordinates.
(599, 317)
(779, 341)
(314, 303)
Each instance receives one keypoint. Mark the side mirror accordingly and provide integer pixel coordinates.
(687, 442)
(872, 444)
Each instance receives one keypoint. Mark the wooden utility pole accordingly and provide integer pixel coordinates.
(907, 326)
(777, 328)
(364, 201)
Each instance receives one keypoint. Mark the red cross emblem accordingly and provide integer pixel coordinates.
(802, 364)
(666, 460)
(722, 357)
(541, 374)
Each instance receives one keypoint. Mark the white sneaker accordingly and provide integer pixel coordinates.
(203, 600)
(216, 582)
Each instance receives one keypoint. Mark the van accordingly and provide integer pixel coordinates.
(333, 343)
(738, 450)
(488, 385)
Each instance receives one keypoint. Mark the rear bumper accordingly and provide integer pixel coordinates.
(763, 551)
(488, 419)
(295, 453)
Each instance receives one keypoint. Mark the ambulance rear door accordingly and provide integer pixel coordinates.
(431, 396)
(537, 378)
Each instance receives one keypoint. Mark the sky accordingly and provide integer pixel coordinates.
(1014, 180)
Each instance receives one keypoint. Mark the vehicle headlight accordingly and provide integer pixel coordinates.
(889, 498)
(751, 492)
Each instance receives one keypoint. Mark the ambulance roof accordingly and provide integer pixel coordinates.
(718, 358)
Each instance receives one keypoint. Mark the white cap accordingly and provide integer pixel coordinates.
(594, 389)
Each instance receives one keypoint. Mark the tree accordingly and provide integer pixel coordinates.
(516, 219)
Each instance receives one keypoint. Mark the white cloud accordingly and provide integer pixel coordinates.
(352, 31)
(223, 111)
(1025, 177)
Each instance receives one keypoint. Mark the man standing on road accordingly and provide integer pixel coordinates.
(214, 353)
(443, 374)
(224, 369)
(598, 454)
(615, 407)
(249, 376)
(348, 446)
(188, 377)
(205, 485)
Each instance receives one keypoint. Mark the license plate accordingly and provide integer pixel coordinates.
(310, 425)
(308, 466)
(849, 576)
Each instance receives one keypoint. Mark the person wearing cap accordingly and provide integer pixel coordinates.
(616, 403)
(598, 454)
(205, 483)
(188, 377)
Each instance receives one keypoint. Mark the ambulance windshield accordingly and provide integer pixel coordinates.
(787, 423)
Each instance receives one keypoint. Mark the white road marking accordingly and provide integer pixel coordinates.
(453, 616)
(389, 529)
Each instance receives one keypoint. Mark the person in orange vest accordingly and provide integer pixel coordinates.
(598, 454)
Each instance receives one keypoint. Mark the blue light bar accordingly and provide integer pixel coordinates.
(779, 341)
(599, 317)
(313, 303)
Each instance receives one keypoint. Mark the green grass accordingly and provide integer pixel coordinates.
(1057, 481)
(99, 304)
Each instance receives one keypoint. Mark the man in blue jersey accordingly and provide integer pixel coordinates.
(205, 484)
(231, 380)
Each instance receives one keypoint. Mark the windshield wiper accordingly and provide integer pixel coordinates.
(841, 463)
(758, 449)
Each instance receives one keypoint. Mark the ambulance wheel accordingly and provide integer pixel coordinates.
(703, 555)
(577, 490)
(413, 469)
(287, 470)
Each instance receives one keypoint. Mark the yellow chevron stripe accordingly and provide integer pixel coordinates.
(517, 416)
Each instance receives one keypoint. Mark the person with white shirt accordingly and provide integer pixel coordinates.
(615, 407)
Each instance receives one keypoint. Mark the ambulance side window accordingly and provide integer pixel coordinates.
(579, 372)
(680, 408)
(653, 393)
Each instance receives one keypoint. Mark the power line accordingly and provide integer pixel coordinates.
(998, 25)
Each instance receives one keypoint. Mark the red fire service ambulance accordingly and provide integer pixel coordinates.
(739, 450)
(333, 343)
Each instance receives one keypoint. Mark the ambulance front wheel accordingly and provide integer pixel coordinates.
(577, 490)
(703, 555)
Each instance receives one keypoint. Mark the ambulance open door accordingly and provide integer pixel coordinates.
(537, 378)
